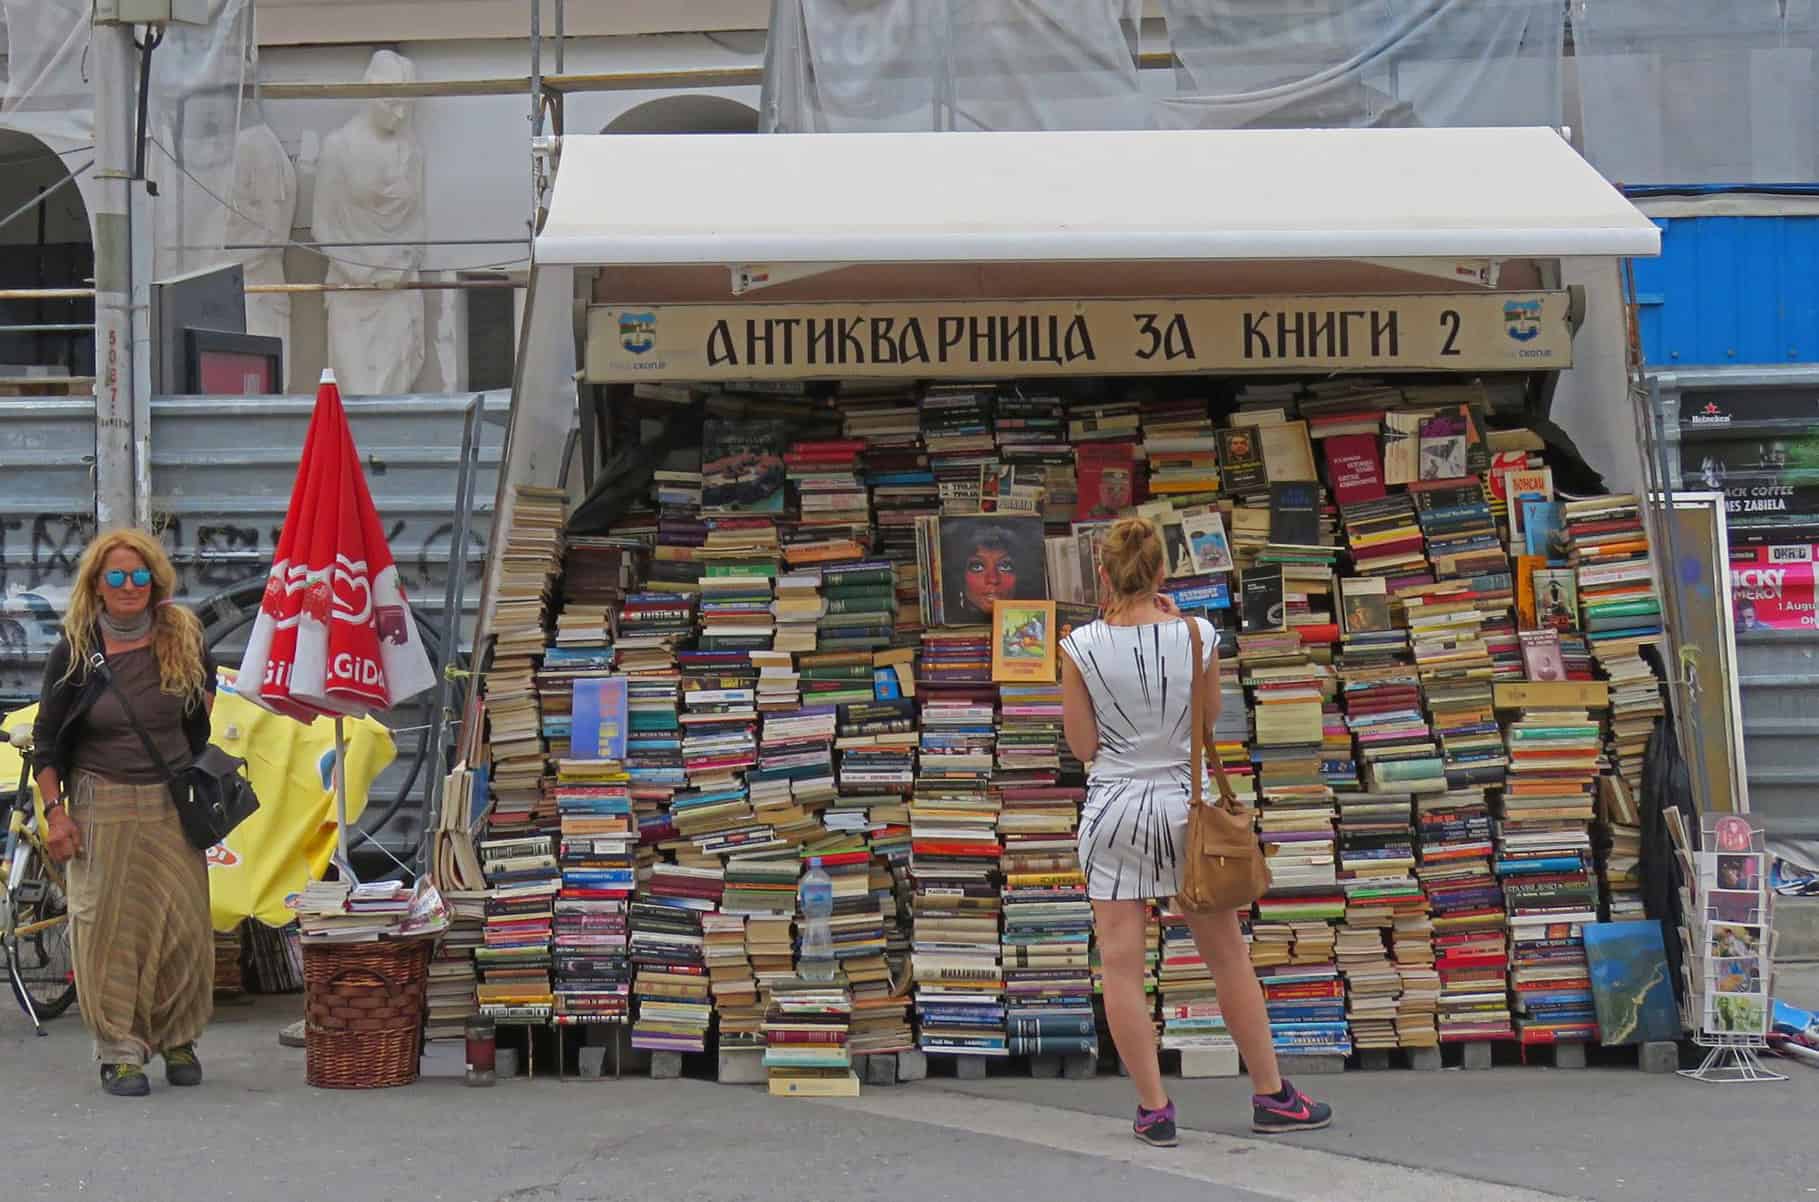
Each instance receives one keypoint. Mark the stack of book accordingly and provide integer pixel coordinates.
(593, 971)
(1296, 819)
(671, 985)
(1192, 1020)
(530, 562)
(805, 1040)
(1376, 863)
(1181, 448)
(1470, 929)
(1046, 943)
(514, 959)
(1544, 862)
(954, 865)
(731, 982)
(736, 613)
(860, 606)
(1620, 849)
(451, 970)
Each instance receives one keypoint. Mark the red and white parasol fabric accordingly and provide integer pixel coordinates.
(335, 633)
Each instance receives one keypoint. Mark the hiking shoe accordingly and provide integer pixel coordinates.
(181, 1066)
(1156, 1127)
(1290, 1110)
(124, 1081)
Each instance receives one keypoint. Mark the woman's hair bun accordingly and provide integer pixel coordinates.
(1131, 556)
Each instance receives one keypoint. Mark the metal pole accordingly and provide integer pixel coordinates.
(453, 597)
(114, 66)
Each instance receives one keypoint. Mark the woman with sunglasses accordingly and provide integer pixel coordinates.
(130, 669)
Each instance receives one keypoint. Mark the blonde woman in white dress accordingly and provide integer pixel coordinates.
(1126, 703)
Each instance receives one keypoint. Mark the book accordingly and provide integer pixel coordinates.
(742, 465)
(1295, 514)
(1206, 540)
(1401, 448)
(1288, 453)
(1543, 528)
(1365, 604)
(1354, 467)
(1556, 598)
(599, 723)
(1241, 464)
(1023, 641)
(1442, 447)
(1541, 655)
(1104, 480)
(1263, 608)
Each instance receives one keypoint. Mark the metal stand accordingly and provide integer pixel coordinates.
(1730, 1061)
(454, 596)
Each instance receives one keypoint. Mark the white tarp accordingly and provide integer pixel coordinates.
(1353, 63)
(1084, 196)
(1692, 92)
(848, 66)
(195, 103)
(852, 66)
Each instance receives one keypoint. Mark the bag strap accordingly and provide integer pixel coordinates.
(1228, 797)
(98, 662)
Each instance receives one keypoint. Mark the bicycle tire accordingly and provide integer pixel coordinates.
(45, 959)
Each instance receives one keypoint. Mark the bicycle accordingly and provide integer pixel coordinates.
(34, 906)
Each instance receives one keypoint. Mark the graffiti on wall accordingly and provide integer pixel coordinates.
(39, 553)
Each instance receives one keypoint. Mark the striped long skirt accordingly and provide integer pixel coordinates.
(141, 933)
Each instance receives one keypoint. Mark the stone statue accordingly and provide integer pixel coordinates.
(265, 207)
(369, 190)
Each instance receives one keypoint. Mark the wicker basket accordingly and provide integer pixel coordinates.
(363, 1009)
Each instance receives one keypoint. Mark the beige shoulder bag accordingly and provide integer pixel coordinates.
(1224, 867)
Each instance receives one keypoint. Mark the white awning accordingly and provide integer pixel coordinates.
(1083, 196)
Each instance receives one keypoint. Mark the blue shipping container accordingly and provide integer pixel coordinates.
(1731, 290)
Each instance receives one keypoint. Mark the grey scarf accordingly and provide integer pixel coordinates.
(127, 632)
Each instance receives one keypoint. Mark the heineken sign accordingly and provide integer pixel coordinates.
(1483, 331)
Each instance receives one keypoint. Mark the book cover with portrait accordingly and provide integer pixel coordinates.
(989, 558)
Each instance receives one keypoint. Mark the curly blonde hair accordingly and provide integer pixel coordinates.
(176, 632)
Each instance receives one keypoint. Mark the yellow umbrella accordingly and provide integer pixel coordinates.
(289, 840)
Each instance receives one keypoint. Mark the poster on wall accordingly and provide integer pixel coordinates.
(1773, 587)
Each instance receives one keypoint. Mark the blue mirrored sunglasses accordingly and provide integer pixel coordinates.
(117, 579)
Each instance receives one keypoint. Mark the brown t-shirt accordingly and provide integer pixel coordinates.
(108, 746)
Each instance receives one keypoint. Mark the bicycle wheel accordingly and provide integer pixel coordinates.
(47, 968)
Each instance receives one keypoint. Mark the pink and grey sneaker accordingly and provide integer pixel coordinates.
(1286, 1111)
(1156, 1127)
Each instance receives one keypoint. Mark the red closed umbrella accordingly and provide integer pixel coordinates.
(334, 633)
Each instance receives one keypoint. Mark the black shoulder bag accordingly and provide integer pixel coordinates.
(212, 796)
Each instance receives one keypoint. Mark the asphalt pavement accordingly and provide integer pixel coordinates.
(255, 1130)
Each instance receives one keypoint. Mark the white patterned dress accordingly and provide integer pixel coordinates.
(1138, 792)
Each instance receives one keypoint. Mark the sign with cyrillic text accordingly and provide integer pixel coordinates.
(1484, 331)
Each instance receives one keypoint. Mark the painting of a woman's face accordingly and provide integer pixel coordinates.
(991, 573)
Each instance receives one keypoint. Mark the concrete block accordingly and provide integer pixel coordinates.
(879, 1070)
(593, 1062)
(912, 1066)
(1045, 1066)
(1310, 1066)
(1569, 1055)
(1796, 930)
(970, 1068)
(742, 1066)
(1477, 1055)
(1081, 1066)
(666, 1066)
(443, 1058)
(1659, 1056)
(1374, 1059)
(1209, 1062)
(1424, 1060)
(505, 1063)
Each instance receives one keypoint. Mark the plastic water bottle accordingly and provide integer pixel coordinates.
(815, 962)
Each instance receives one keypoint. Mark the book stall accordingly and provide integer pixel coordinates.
(768, 758)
